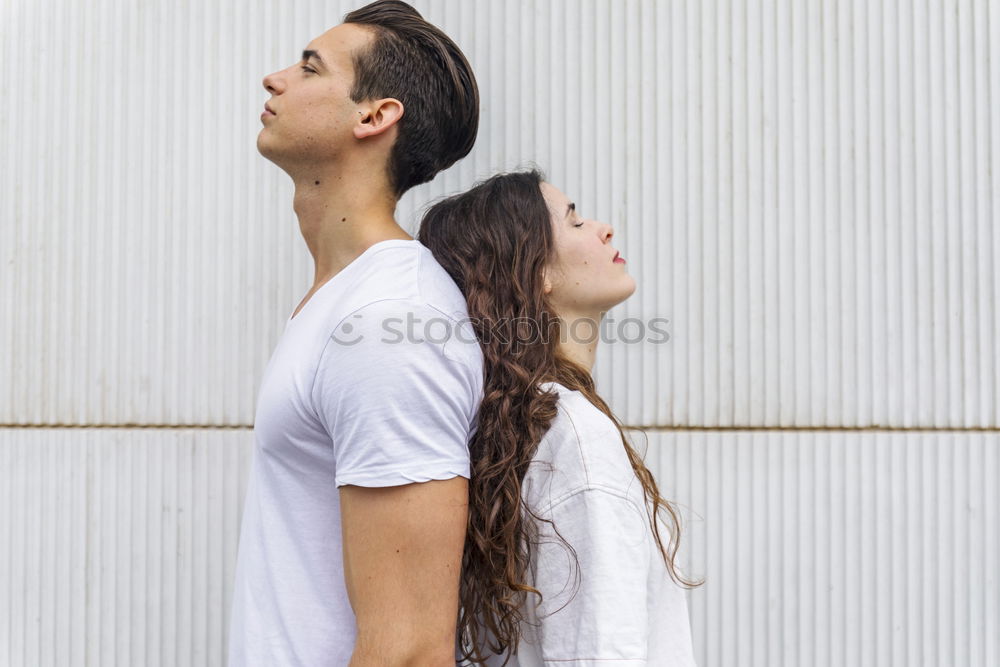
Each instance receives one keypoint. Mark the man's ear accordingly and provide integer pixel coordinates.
(377, 117)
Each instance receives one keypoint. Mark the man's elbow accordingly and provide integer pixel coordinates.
(430, 656)
(405, 651)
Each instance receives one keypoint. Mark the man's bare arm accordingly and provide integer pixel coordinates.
(402, 562)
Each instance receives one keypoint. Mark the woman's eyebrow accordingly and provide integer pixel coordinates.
(570, 209)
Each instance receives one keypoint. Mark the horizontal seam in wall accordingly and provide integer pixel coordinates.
(204, 427)
(845, 429)
(651, 427)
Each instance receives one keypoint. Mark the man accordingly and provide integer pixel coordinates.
(356, 508)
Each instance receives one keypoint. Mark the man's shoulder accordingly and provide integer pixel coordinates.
(437, 288)
(406, 298)
(405, 277)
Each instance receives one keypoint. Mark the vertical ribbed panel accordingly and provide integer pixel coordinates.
(804, 190)
(818, 548)
(829, 548)
(118, 546)
(819, 223)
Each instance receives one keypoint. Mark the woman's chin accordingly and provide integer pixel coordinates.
(630, 288)
(622, 296)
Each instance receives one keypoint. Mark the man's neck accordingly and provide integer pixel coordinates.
(341, 214)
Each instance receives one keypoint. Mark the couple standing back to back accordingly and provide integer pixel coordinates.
(435, 479)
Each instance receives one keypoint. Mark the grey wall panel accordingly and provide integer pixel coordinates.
(818, 548)
(826, 217)
(804, 190)
(828, 548)
(118, 546)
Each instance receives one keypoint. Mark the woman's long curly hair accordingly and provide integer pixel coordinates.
(494, 241)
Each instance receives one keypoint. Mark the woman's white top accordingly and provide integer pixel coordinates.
(626, 610)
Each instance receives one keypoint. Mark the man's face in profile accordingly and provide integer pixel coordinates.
(313, 110)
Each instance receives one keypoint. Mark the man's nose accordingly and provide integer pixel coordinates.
(272, 82)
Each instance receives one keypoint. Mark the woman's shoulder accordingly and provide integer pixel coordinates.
(592, 425)
(582, 449)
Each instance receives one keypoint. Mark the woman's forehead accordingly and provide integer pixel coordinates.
(558, 203)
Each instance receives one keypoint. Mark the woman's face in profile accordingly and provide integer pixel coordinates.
(587, 277)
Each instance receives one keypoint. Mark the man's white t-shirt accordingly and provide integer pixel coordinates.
(375, 382)
(620, 607)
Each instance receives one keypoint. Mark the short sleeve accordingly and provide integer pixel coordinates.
(397, 389)
(598, 612)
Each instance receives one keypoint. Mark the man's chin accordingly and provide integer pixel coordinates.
(262, 145)
(267, 149)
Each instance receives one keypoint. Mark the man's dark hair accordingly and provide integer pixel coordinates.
(416, 63)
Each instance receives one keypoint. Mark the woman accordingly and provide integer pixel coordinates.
(565, 557)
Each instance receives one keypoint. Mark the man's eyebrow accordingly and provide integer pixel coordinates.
(309, 53)
(570, 208)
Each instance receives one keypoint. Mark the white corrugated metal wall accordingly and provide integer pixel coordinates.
(805, 189)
